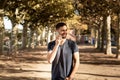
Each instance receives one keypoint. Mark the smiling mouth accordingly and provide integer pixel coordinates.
(64, 35)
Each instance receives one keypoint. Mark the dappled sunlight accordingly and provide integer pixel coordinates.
(31, 71)
(20, 78)
(90, 55)
(27, 27)
(93, 65)
(31, 62)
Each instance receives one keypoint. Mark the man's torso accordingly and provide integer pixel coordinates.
(62, 64)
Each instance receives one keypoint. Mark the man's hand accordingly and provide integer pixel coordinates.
(69, 78)
(51, 54)
(58, 40)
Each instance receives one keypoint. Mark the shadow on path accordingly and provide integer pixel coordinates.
(20, 70)
(90, 55)
(101, 75)
(21, 78)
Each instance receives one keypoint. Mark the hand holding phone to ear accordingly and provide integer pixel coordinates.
(58, 38)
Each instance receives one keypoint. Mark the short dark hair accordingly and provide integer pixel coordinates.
(61, 24)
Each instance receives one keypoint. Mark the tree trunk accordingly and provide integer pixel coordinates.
(92, 36)
(1, 34)
(100, 37)
(32, 39)
(99, 34)
(96, 38)
(38, 39)
(103, 32)
(48, 37)
(118, 38)
(108, 36)
(43, 37)
(14, 39)
(29, 40)
(24, 37)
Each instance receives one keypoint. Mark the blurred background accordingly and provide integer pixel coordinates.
(27, 24)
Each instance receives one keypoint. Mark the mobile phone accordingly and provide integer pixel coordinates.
(56, 33)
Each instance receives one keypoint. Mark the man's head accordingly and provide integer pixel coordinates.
(61, 28)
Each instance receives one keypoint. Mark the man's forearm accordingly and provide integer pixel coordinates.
(52, 55)
(75, 65)
(75, 68)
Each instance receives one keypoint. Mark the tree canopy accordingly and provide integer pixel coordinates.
(38, 12)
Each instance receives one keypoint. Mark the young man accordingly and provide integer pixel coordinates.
(63, 54)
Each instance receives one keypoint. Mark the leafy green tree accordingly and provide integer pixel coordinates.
(116, 10)
(1, 34)
(2, 5)
(102, 8)
(33, 13)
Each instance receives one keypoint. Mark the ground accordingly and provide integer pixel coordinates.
(31, 64)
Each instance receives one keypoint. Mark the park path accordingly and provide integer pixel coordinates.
(95, 65)
(32, 65)
(27, 65)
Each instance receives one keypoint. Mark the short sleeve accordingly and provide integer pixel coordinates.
(51, 46)
(75, 47)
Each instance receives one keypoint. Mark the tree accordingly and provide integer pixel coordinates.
(2, 4)
(115, 8)
(1, 33)
(38, 12)
(118, 46)
(94, 8)
(117, 11)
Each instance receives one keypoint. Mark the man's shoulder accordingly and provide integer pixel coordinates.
(52, 42)
(71, 41)
(51, 45)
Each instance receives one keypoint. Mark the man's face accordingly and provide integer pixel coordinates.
(63, 31)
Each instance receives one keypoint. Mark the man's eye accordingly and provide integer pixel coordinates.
(64, 30)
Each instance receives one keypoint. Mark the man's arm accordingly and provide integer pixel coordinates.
(51, 54)
(75, 66)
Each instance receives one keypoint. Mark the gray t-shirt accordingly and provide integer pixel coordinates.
(63, 63)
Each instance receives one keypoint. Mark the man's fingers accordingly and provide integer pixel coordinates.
(67, 79)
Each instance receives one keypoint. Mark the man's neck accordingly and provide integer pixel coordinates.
(63, 41)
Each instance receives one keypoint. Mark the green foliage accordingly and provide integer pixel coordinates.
(38, 12)
(93, 11)
(97, 7)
